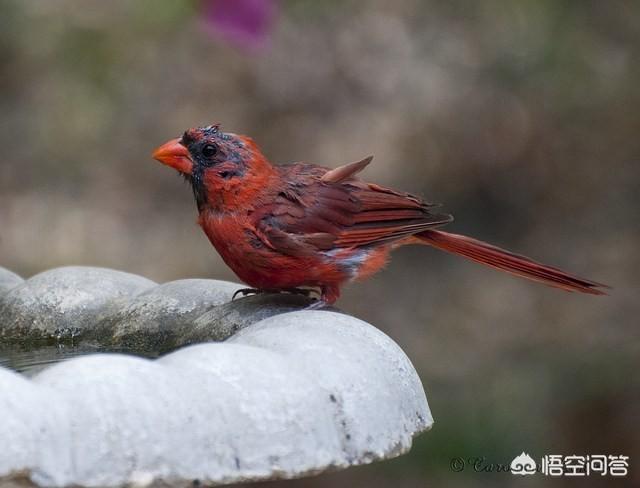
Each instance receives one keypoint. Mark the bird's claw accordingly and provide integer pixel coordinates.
(246, 291)
(316, 305)
(306, 292)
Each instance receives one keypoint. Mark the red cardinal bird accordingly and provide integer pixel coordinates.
(302, 225)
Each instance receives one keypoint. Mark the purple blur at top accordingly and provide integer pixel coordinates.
(245, 23)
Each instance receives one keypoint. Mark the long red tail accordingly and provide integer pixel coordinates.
(507, 261)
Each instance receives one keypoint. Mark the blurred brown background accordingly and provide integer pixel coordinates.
(523, 117)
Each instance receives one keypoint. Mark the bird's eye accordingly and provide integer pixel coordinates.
(209, 150)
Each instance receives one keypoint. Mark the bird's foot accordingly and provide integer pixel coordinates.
(306, 292)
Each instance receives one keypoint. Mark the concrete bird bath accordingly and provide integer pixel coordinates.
(226, 392)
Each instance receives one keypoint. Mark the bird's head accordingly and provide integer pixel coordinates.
(216, 163)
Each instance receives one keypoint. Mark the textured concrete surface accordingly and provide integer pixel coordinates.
(222, 322)
(287, 392)
(34, 429)
(377, 396)
(62, 302)
(159, 318)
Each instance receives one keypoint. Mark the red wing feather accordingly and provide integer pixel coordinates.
(341, 213)
(347, 171)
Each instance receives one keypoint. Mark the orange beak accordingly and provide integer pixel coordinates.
(174, 154)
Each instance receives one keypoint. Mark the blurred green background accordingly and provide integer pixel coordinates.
(523, 117)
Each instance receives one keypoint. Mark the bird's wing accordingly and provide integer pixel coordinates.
(313, 213)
